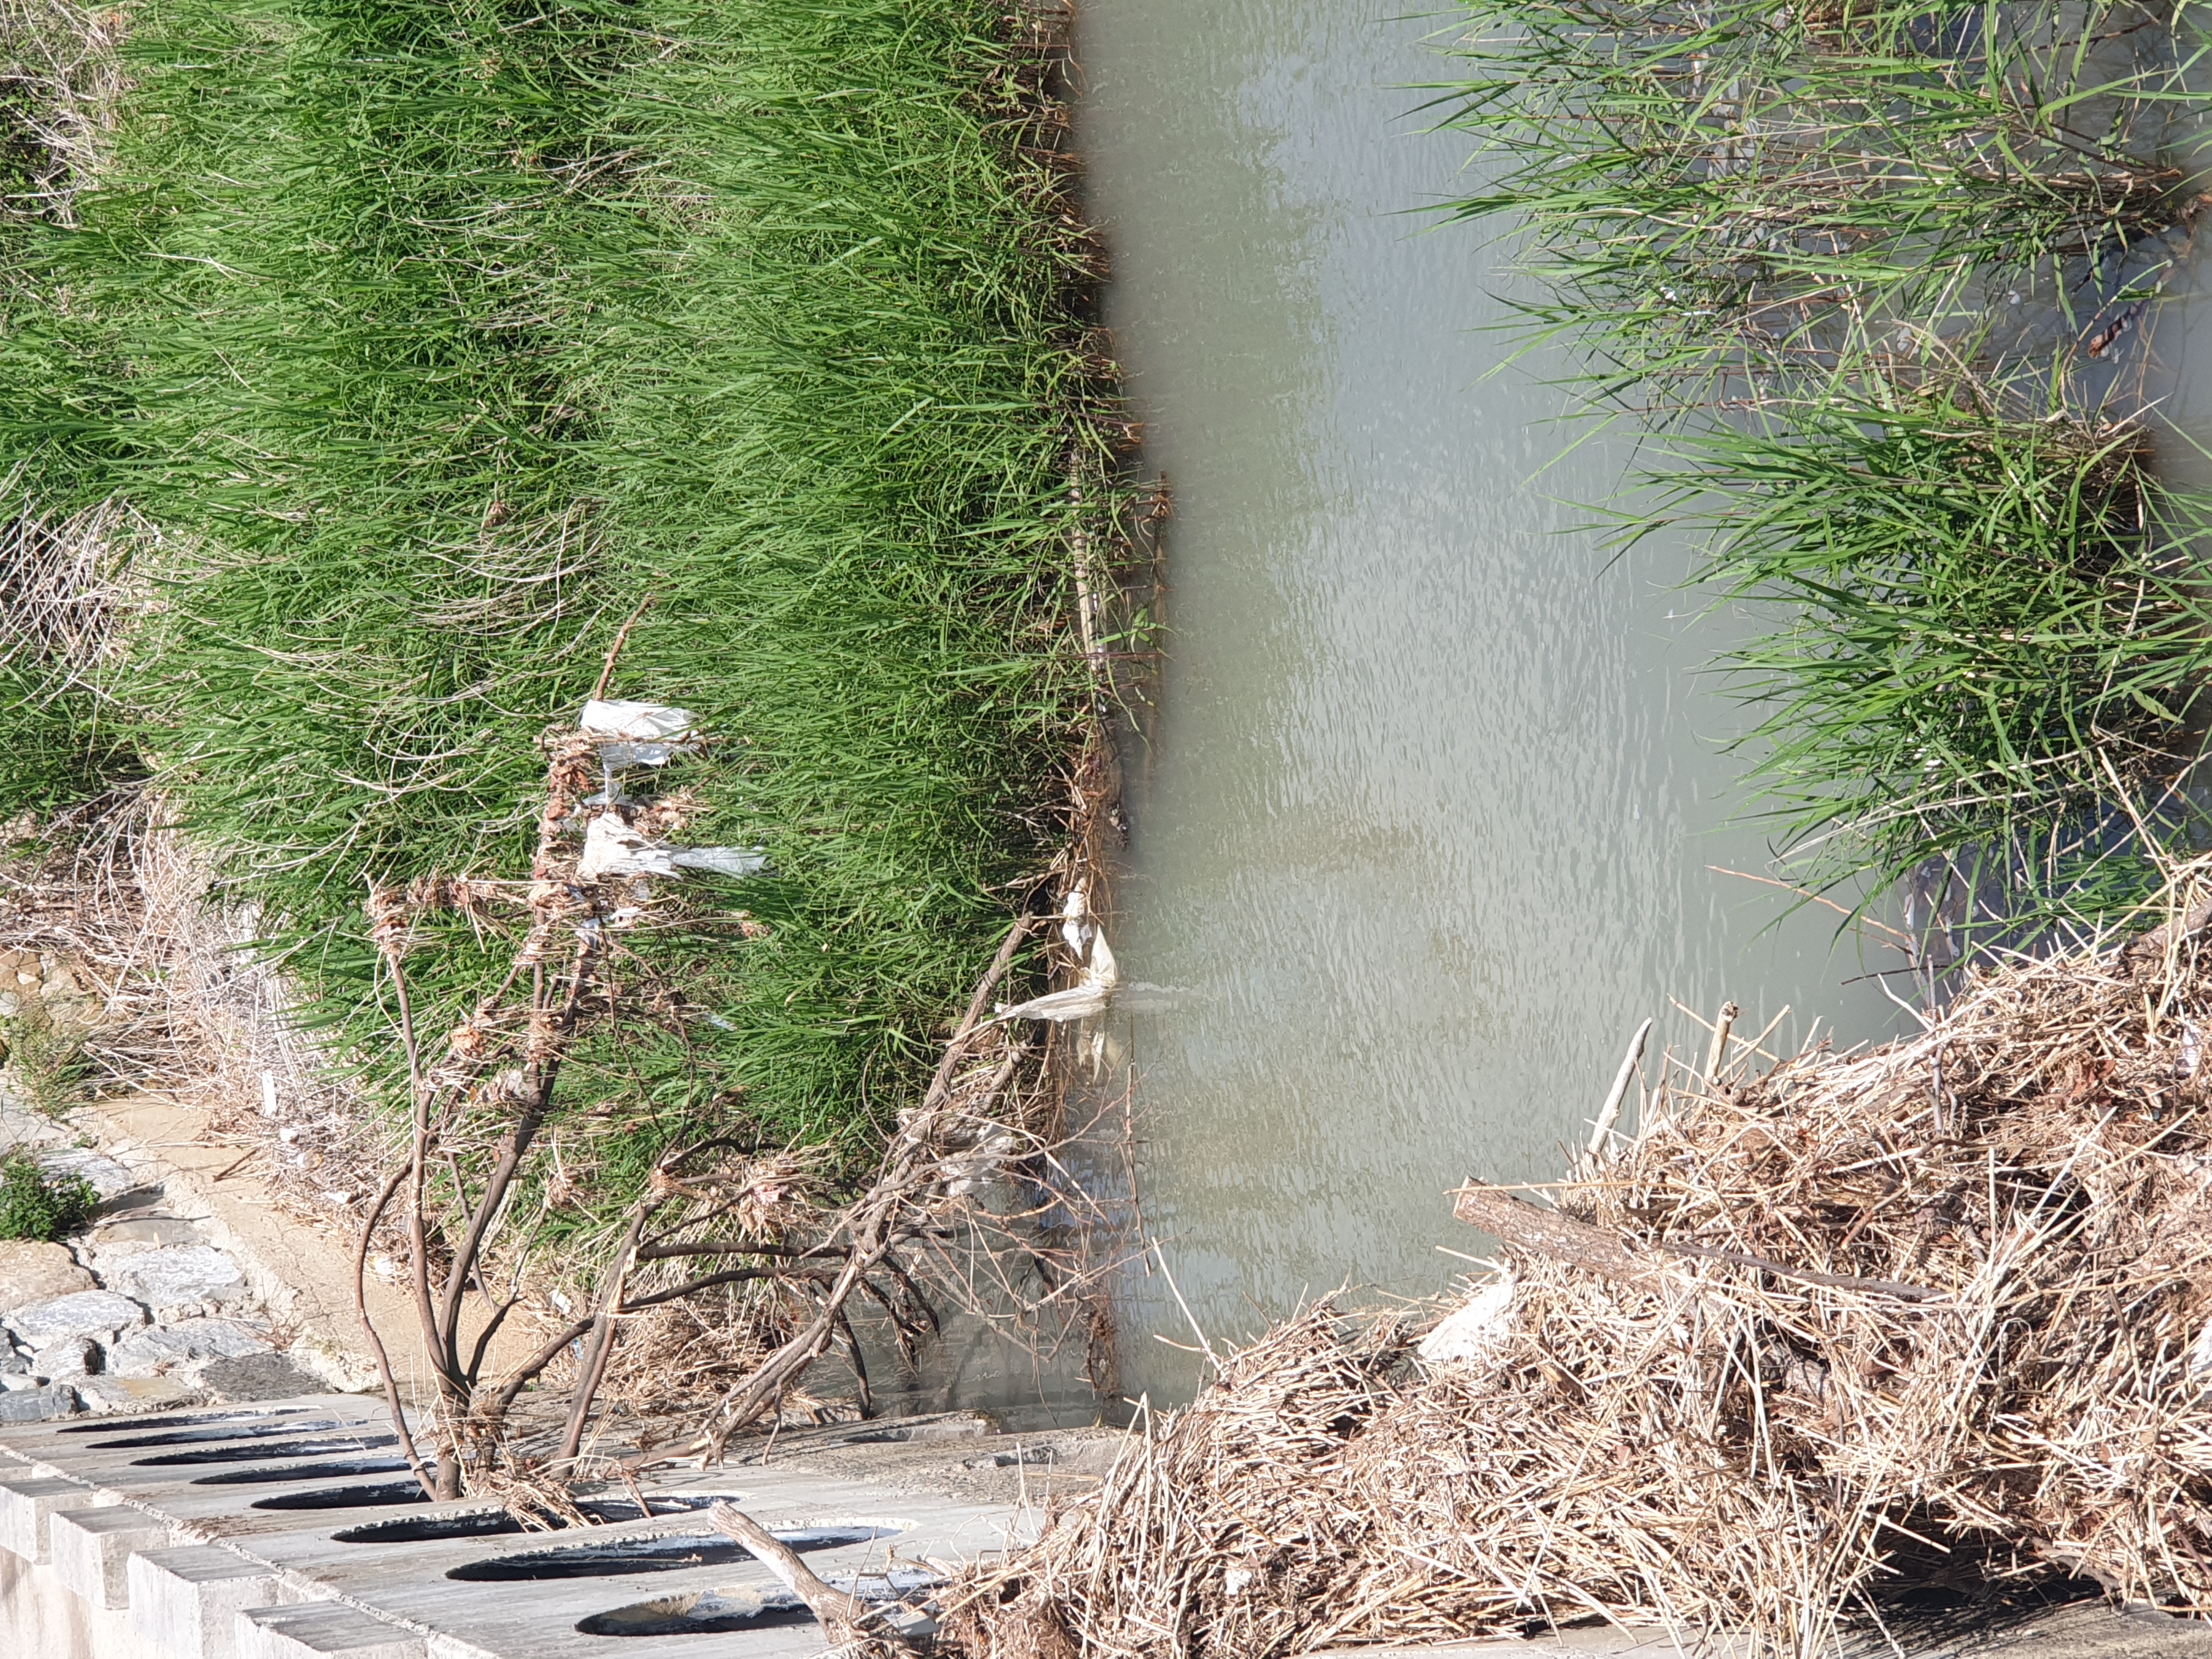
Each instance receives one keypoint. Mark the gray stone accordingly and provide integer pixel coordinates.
(14, 1382)
(37, 1405)
(151, 1230)
(322, 1629)
(71, 1357)
(260, 1377)
(38, 1273)
(184, 1603)
(183, 1346)
(99, 1314)
(133, 1394)
(189, 1277)
(10, 1004)
(106, 1176)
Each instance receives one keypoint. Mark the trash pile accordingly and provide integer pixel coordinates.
(1857, 1336)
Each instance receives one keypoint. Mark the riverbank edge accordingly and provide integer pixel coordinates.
(1101, 489)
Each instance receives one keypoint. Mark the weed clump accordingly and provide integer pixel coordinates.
(1990, 636)
(1751, 192)
(47, 1060)
(41, 1206)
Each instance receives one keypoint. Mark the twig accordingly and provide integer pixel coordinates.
(1189, 1317)
(1609, 1113)
(1857, 916)
(1719, 1052)
(622, 638)
(398, 1412)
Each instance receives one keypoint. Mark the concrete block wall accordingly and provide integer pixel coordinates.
(183, 1537)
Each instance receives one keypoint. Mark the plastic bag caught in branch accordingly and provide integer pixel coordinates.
(639, 733)
(1089, 996)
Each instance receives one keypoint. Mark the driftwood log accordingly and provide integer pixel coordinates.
(2154, 946)
(1602, 1251)
(842, 1615)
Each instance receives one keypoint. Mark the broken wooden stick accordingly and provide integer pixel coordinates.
(1561, 1237)
(1609, 1113)
(1729, 1012)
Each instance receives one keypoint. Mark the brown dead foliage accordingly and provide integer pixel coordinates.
(1725, 1438)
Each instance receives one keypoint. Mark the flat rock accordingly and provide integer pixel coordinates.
(133, 1394)
(38, 1273)
(37, 1405)
(70, 1358)
(180, 1346)
(97, 1314)
(260, 1376)
(152, 1231)
(182, 1276)
(106, 1176)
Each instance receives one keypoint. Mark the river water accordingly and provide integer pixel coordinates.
(1422, 812)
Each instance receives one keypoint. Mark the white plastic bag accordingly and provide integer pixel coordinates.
(611, 848)
(638, 733)
(1466, 1333)
(1087, 997)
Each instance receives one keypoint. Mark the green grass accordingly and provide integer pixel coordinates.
(40, 1206)
(436, 334)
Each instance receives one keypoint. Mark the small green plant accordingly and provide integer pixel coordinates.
(46, 1061)
(40, 1206)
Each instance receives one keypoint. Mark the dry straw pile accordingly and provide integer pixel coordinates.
(1818, 1344)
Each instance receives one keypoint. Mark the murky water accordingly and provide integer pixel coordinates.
(1422, 822)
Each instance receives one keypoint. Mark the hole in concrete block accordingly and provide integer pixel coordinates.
(498, 1523)
(330, 1470)
(354, 1443)
(383, 1497)
(248, 1429)
(726, 1612)
(671, 1553)
(171, 1421)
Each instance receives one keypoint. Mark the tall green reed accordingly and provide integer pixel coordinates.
(1990, 636)
(1716, 197)
(1825, 250)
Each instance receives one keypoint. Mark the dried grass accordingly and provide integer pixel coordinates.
(60, 81)
(1702, 1440)
(177, 1003)
(68, 588)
